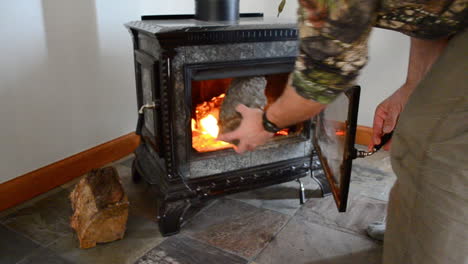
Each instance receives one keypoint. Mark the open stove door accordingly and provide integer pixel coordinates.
(334, 138)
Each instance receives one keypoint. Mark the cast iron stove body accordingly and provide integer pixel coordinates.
(173, 54)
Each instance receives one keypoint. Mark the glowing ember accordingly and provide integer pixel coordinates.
(205, 127)
(209, 125)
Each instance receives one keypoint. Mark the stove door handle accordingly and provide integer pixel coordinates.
(384, 140)
(141, 111)
(152, 105)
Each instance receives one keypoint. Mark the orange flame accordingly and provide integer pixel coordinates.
(205, 128)
(340, 133)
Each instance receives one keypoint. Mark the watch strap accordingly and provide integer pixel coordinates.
(268, 125)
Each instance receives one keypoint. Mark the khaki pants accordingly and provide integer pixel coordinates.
(427, 220)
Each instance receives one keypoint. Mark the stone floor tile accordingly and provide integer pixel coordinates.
(127, 161)
(283, 198)
(14, 246)
(182, 249)
(361, 211)
(43, 221)
(44, 256)
(373, 176)
(236, 227)
(309, 243)
(6, 212)
(141, 236)
(140, 195)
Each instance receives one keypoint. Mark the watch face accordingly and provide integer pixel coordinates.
(334, 136)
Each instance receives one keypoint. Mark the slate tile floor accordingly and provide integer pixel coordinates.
(264, 226)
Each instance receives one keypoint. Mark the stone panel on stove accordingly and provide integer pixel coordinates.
(149, 45)
(276, 49)
(220, 164)
(213, 53)
(181, 111)
(271, 153)
(274, 152)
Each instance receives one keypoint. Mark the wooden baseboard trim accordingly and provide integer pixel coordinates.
(34, 183)
(363, 135)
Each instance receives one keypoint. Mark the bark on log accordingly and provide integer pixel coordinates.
(100, 208)
(249, 91)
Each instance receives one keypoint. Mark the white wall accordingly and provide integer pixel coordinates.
(66, 79)
(385, 71)
(66, 74)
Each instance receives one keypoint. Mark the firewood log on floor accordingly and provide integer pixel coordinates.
(100, 208)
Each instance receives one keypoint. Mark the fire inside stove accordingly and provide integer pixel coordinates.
(205, 127)
(207, 98)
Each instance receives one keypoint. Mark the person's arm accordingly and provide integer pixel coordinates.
(333, 49)
(289, 109)
(423, 54)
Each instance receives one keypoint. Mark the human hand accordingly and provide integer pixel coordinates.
(386, 116)
(250, 132)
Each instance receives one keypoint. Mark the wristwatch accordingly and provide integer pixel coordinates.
(268, 125)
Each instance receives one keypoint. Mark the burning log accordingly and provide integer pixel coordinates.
(100, 208)
(249, 91)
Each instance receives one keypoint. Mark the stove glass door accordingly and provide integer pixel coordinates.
(334, 137)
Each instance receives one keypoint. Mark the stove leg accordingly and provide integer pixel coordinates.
(301, 192)
(322, 181)
(171, 215)
(136, 176)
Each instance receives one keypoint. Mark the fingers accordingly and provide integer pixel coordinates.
(390, 121)
(241, 148)
(249, 133)
(229, 137)
(377, 126)
(251, 147)
(242, 109)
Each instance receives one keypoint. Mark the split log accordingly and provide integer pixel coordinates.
(100, 208)
(249, 91)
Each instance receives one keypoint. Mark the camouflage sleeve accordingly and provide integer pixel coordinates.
(333, 46)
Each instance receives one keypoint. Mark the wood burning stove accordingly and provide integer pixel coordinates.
(182, 63)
